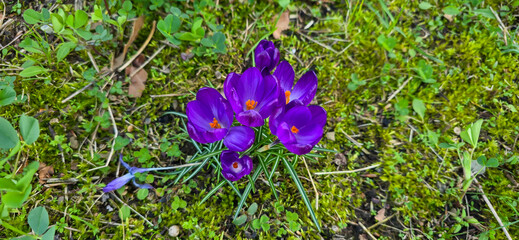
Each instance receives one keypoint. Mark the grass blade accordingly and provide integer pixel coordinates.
(246, 191)
(263, 165)
(302, 191)
(210, 193)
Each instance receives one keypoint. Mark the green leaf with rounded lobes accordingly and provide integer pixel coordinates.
(38, 220)
(8, 136)
(29, 128)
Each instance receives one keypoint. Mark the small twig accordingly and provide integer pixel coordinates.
(93, 61)
(116, 133)
(129, 61)
(381, 222)
(367, 231)
(398, 90)
(167, 95)
(133, 210)
(359, 145)
(77, 92)
(15, 38)
(313, 185)
(317, 42)
(147, 61)
(492, 209)
(348, 171)
(108, 9)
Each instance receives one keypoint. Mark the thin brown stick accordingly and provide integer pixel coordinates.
(147, 61)
(348, 171)
(116, 133)
(367, 231)
(313, 185)
(129, 61)
(492, 209)
(398, 90)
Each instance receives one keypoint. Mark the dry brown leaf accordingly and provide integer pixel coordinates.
(282, 25)
(136, 27)
(44, 172)
(138, 80)
(381, 214)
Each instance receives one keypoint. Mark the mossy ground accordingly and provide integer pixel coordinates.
(416, 182)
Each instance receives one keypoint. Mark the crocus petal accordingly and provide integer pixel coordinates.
(217, 107)
(318, 115)
(305, 88)
(118, 182)
(285, 76)
(268, 98)
(278, 114)
(145, 185)
(204, 136)
(250, 118)
(284, 133)
(227, 84)
(299, 149)
(233, 167)
(262, 60)
(125, 165)
(297, 116)
(239, 138)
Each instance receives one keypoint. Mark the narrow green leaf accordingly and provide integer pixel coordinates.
(476, 129)
(451, 10)
(38, 220)
(32, 71)
(419, 107)
(57, 22)
(283, 3)
(29, 128)
(247, 190)
(8, 136)
(302, 191)
(213, 191)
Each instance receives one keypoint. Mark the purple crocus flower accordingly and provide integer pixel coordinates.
(123, 180)
(253, 97)
(234, 167)
(304, 90)
(266, 56)
(301, 128)
(209, 116)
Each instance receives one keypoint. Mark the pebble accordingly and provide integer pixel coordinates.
(174, 231)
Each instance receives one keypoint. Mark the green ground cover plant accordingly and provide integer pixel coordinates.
(420, 139)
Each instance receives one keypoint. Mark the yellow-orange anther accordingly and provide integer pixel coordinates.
(294, 129)
(215, 124)
(235, 165)
(287, 96)
(251, 104)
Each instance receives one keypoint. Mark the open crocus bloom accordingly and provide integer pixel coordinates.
(123, 180)
(266, 56)
(234, 167)
(301, 128)
(304, 90)
(209, 116)
(253, 97)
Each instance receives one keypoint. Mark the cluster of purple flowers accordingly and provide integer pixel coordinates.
(252, 97)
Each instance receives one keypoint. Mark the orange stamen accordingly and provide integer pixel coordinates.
(294, 129)
(235, 165)
(251, 104)
(215, 124)
(287, 96)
